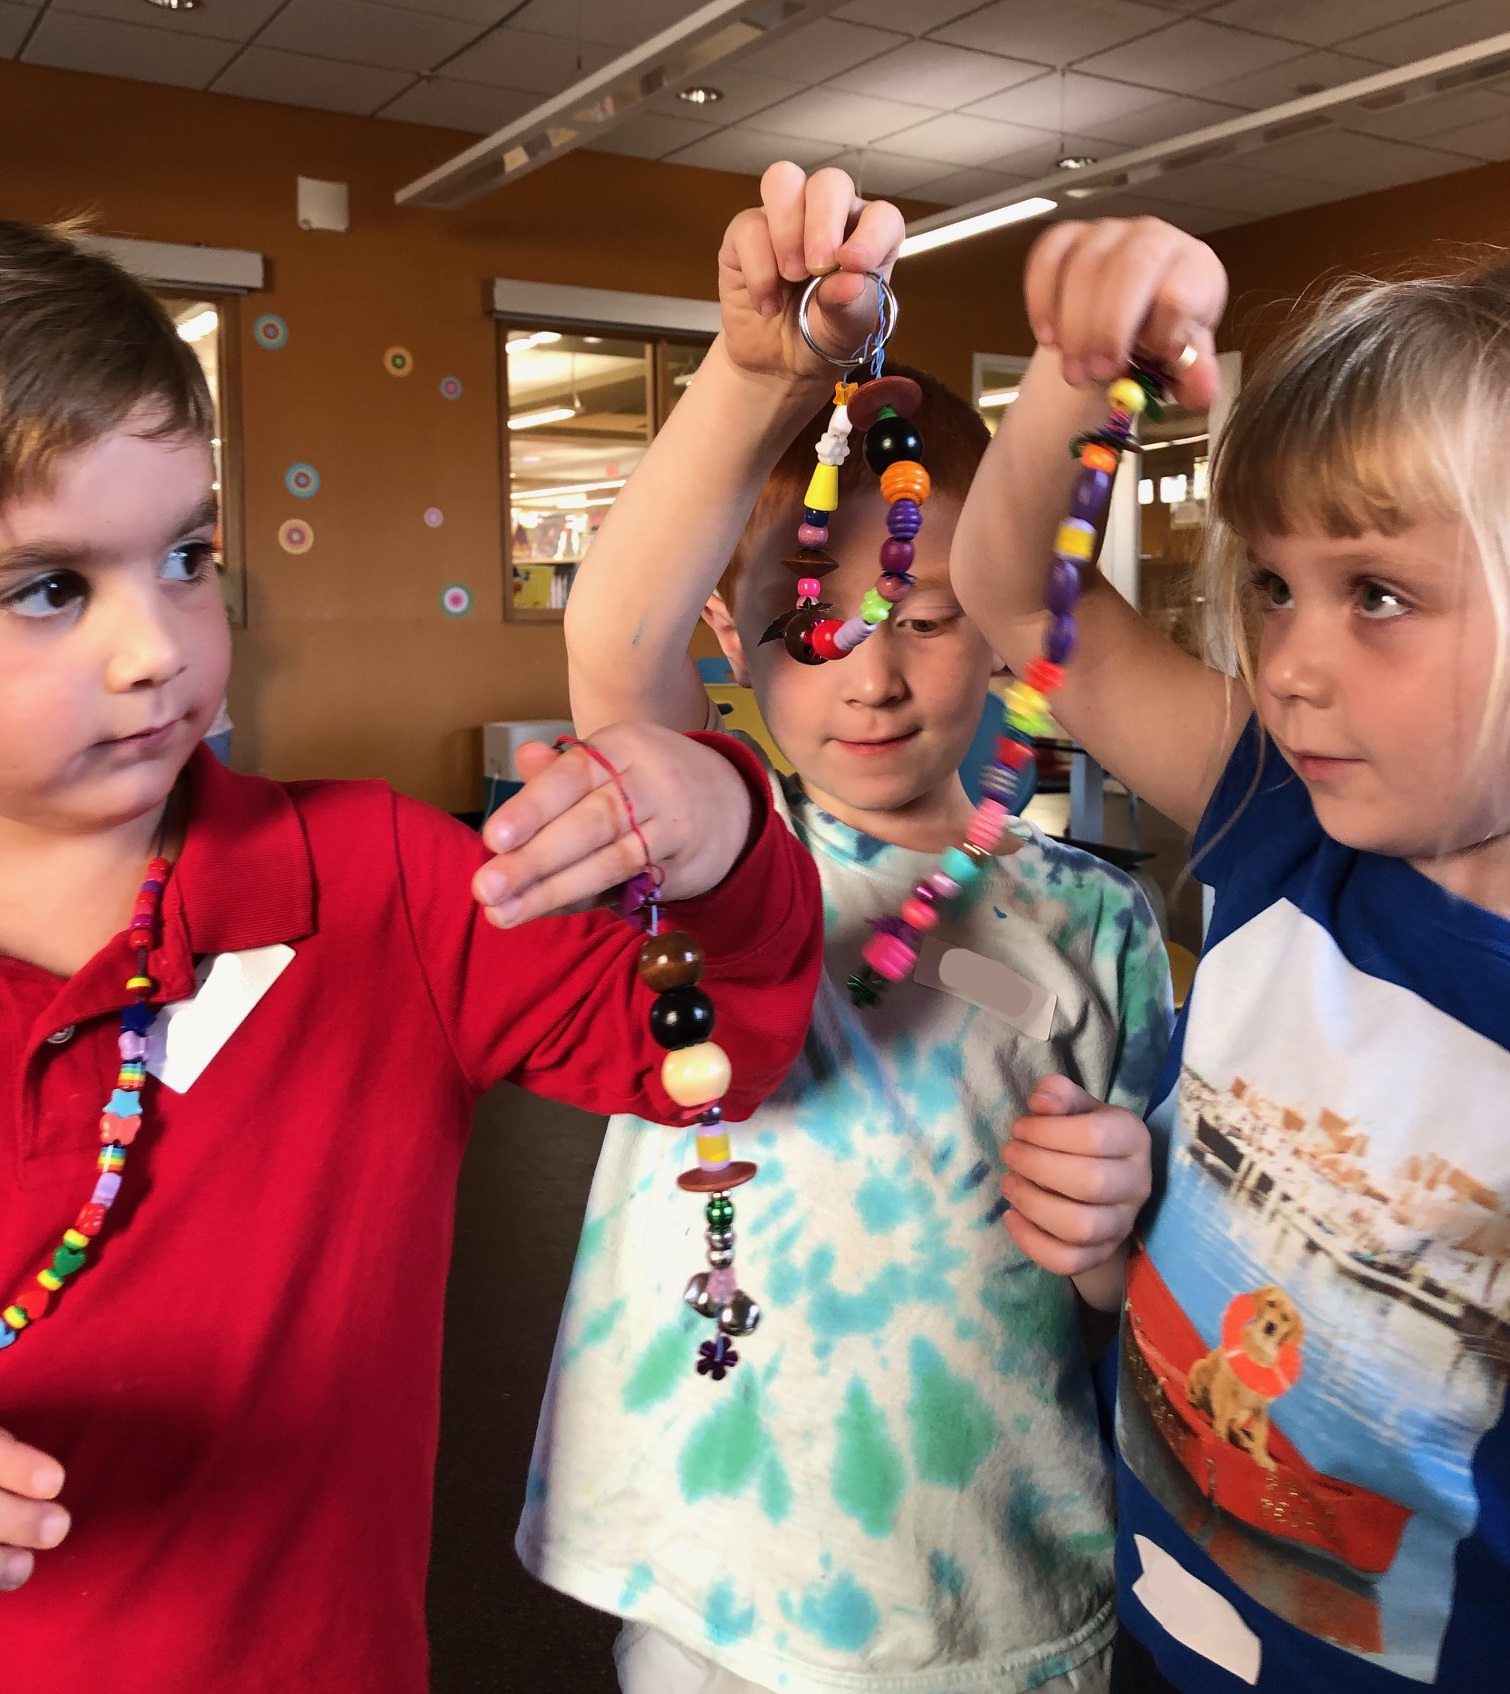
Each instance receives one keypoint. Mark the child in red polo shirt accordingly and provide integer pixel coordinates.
(241, 1390)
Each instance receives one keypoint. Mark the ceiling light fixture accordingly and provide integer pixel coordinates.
(200, 325)
(525, 343)
(997, 218)
(701, 96)
(545, 415)
(1075, 161)
(176, 5)
(998, 397)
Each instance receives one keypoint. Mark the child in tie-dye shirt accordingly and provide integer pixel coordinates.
(902, 1485)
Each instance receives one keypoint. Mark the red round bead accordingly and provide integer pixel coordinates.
(91, 1220)
(1013, 754)
(1043, 676)
(821, 639)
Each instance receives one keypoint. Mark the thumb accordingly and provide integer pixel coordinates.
(532, 757)
(1058, 1097)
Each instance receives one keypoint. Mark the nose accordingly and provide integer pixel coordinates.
(1298, 657)
(872, 672)
(143, 648)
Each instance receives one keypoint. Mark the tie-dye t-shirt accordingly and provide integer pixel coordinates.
(902, 1482)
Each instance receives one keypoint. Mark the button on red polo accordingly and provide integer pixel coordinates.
(243, 1384)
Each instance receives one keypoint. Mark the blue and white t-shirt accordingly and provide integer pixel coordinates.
(1314, 1459)
(902, 1485)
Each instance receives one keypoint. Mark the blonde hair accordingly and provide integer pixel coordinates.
(82, 346)
(1389, 406)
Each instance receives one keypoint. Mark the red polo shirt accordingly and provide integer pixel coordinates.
(244, 1384)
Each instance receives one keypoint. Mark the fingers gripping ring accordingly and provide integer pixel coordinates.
(873, 349)
(651, 870)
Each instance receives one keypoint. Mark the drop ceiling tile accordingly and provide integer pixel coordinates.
(880, 173)
(1237, 188)
(839, 118)
(1358, 162)
(750, 151)
(75, 43)
(958, 188)
(610, 23)
(653, 136)
(226, 20)
(744, 94)
(955, 139)
(14, 23)
(1424, 120)
(483, 13)
(1125, 205)
(820, 50)
(1073, 101)
(518, 58)
(1164, 120)
(1488, 140)
(295, 79)
(1052, 32)
(451, 104)
(909, 17)
(1041, 156)
(931, 73)
(358, 32)
(1319, 25)
(1437, 31)
(1190, 57)
(1307, 74)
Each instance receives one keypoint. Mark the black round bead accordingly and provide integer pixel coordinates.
(890, 441)
(681, 1017)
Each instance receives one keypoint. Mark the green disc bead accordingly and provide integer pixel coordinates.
(875, 608)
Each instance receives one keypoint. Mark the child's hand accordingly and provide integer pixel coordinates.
(1097, 290)
(29, 1486)
(566, 838)
(1077, 1175)
(804, 227)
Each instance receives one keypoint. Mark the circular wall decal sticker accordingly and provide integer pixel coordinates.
(434, 517)
(296, 536)
(450, 388)
(270, 332)
(456, 601)
(302, 480)
(398, 361)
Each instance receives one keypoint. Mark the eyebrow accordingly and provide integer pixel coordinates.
(32, 558)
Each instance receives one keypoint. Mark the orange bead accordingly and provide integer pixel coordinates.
(1098, 458)
(905, 480)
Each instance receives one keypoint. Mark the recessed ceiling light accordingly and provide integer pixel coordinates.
(1074, 161)
(177, 5)
(700, 96)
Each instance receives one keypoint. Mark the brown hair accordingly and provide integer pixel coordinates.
(955, 439)
(82, 346)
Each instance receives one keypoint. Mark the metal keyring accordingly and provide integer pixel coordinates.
(873, 349)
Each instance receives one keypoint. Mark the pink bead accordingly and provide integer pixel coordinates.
(810, 588)
(812, 535)
(945, 887)
(133, 1046)
(893, 586)
(721, 1284)
(988, 825)
(896, 555)
(890, 956)
(917, 915)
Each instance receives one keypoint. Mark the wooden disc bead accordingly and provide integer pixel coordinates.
(672, 960)
(901, 393)
(810, 561)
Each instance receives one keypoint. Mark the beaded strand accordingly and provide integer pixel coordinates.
(892, 951)
(120, 1122)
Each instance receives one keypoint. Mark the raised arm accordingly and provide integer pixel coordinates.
(1159, 720)
(671, 531)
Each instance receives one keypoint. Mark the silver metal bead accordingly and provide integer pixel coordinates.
(720, 1257)
(739, 1314)
(697, 1297)
(720, 1238)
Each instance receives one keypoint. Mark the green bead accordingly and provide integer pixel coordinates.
(875, 607)
(959, 867)
(66, 1261)
(719, 1212)
(865, 987)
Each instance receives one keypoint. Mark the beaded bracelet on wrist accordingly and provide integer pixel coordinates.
(892, 951)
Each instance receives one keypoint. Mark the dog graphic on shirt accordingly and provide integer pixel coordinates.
(1257, 1360)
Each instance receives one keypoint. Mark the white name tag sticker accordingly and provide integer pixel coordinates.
(1195, 1614)
(189, 1033)
(986, 983)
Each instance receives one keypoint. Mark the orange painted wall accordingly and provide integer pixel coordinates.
(348, 667)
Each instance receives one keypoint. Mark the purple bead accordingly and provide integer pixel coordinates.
(896, 555)
(943, 885)
(850, 634)
(904, 519)
(895, 585)
(1091, 497)
(809, 535)
(923, 893)
(1059, 642)
(1062, 591)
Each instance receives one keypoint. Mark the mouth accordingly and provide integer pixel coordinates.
(151, 740)
(877, 747)
(1319, 767)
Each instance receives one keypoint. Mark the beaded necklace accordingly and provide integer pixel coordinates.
(892, 951)
(120, 1123)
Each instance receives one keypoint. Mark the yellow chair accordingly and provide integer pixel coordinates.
(1182, 963)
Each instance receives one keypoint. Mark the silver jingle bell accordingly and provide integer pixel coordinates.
(697, 1297)
(720, 1239)
(739, 1314)
(720, 1257)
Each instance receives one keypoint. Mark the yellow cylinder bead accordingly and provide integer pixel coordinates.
(823, 490)
(1075, 542)
(1127, 394)
(713, 1149)
(16, 1317)
(50, 1280)
(697, 1076)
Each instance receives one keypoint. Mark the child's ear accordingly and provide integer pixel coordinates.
(717, 617)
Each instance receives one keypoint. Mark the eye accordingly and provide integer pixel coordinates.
(1272, 590)
(46, 596)
(1379, 603)
(930, 626)
(190, 561)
